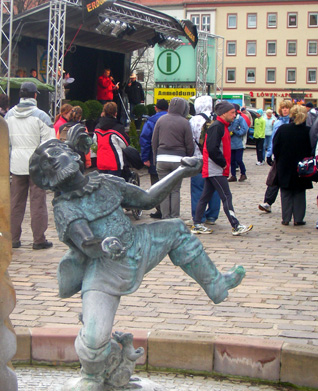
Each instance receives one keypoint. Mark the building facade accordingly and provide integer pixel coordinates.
(271, 47)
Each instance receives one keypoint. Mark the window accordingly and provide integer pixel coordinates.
(251, 48)
(231, 48)
(313, 19)
(141, 76)
(206, 23)
(270, 75)
(230, 75)
(271, 20)
(291, 75)
(312, 48)
(251, 21)
(195, 19)
(311, 75)
(250, 75)
(232, 21)
(292, 20)
(271, 48)
(291, 48)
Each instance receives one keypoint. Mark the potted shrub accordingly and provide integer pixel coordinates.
(139, 111)
(95, 109)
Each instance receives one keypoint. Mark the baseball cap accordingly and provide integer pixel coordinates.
(162, 104)
(28, 86)
(309, 104)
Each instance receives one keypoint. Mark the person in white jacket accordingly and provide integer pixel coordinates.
(28, 128)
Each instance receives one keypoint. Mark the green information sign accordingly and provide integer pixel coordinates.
(179, 66)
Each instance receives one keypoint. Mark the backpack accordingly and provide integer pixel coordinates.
(63, 131)
(208, 122)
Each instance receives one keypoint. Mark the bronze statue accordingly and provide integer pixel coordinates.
(108, 256)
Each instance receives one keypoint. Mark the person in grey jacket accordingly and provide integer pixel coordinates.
(28, 128)
(172, 140)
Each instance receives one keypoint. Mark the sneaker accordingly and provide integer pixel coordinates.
(232, 179)
(241, 229)
(210, 222)
(265, 207)
(200, 229)
(16, 244)
(260, 163)
(42, 246)
(242, 178)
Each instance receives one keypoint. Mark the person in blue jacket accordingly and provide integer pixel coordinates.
(161, 109)
(238, 130)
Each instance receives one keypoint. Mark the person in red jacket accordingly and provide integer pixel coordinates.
(106, 87)
(216, 169)
(110, 145)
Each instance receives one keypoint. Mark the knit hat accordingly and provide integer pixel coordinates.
(269, 111)
(309, 104)
(162, 104)
(223, 107)
(260, 111)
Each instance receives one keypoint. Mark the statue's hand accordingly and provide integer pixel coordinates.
(191, 165)
(89, 243)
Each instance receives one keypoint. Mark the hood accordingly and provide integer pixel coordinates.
(313, 112)
(179, 106)
(106, 123)
(203, 104)
(24, 108)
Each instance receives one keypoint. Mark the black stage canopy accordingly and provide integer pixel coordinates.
(137, 26)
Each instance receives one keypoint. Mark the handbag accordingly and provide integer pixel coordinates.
(132, 157)
(272, 177)
(307, 167)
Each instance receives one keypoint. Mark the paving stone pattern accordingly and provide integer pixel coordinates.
(278, 298)
(49, 379)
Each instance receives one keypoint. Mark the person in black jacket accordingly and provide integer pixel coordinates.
(135, 93)
(291, 144)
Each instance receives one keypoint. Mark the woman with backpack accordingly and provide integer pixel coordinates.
(75, 117)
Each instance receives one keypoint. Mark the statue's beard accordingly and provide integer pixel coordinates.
(63, 175)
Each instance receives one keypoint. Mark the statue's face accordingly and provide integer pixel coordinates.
(59, 164)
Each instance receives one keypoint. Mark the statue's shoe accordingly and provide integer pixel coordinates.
(218, 291)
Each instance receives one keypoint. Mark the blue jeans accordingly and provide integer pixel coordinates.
(237, 159)
(267, 143)
(212, 213)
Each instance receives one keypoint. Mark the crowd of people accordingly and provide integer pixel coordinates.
(217, 135)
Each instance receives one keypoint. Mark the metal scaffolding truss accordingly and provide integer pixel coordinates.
(5, 39)
(219, 66)
(202, 63)
(55, 51)
(144, 17)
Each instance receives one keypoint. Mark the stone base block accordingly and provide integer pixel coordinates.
(251, 357)
(54, 344)
(187, 351)
(299, 365)
(23, 354)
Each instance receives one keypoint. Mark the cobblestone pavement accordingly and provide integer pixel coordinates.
(52, 379)
(277, 299)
